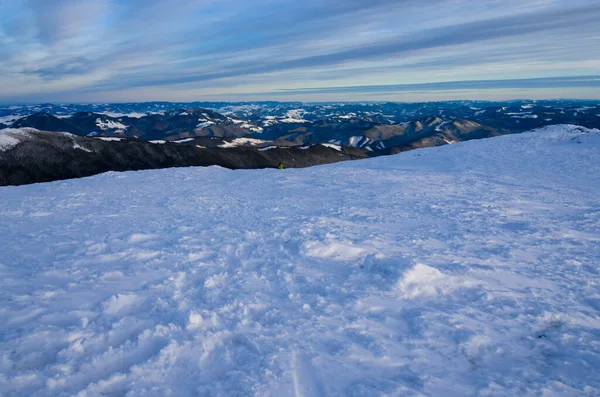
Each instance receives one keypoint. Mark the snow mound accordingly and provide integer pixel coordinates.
(425, 281)
(461, 270)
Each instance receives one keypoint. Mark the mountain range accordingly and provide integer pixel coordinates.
(251, 135)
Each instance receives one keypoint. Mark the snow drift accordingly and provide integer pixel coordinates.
(469, 269)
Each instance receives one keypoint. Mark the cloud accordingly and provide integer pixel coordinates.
(58, 20)
(234, 46)
(547, 82)
(396, 46)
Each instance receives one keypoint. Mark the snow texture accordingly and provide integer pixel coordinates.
(7, 142)
(461, 270)
(11, 137)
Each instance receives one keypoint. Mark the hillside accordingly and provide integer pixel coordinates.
(466, 269)
(28, 155)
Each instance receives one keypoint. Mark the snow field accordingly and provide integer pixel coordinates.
(469, 269)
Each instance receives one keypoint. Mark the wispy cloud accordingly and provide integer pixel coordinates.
(68, 49)
(547, 82)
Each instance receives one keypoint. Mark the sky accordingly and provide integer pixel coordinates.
(310, 50)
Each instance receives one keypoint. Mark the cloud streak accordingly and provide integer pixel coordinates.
(548, 82)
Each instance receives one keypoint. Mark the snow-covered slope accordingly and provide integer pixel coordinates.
(469, 269)
(11, 137)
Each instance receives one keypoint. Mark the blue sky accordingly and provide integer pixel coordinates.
(403, 50)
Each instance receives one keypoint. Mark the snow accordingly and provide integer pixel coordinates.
(332, 146)
(110, 125)
(242, 142)
(79, 147)
(292, 116)
(355, 140)
(7, 142)
(184, 140)
(159, 141)
(110, 139)
(135, 115)
(522, 115)
(443, 123)
(204, 124)
(9, 119)
(526, 116)
(264, 149)
(252, 128)
(293, 120)
(423, 281)
(461, 270)
(9, 137)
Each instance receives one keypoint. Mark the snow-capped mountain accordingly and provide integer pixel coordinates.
(467, 269)
(348, 124)
(170, 125)
(363, 129)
